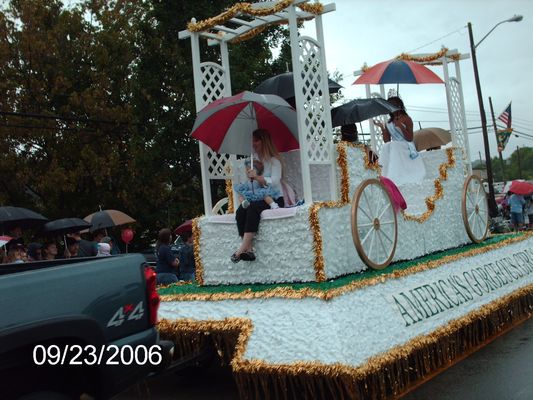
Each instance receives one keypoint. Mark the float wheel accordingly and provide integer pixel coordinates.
(374, 224)
(475, 209)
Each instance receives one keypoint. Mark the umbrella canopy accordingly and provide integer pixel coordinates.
(4, 240)
(226, 125)
(360, 110)
(107, 219)
(185, 227)
(428, 138)
(519, 186)
(11, 217)
(64, 225)
(282, 85)
(398, 71)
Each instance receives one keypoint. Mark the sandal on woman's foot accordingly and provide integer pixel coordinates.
(235, 258)
(247, 256)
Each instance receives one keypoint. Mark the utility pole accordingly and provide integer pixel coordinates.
(496, 133)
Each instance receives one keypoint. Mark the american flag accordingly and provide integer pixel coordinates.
(505, 116)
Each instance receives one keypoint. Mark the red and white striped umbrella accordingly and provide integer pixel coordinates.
(4, 240)
(226, 125)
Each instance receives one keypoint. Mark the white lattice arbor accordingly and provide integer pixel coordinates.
(455, 105)
(212, 81)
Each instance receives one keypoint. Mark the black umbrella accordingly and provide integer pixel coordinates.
(64, 225)
(283, 86)
(360, 110)
(11, 217)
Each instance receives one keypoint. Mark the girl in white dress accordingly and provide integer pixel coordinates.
(400, 162)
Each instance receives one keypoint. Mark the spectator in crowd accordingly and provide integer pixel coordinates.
(186, 258)
(529, 211)
(34, 251)
(114, 248)
(16, 253)
(104, 250)
(72, 246)
(167, 263)
(89, 248)
(49, 251)
(517, 202)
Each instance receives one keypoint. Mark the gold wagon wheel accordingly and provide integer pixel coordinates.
(374, 225)
(475, 209)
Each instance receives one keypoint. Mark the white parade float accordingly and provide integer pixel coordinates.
(344, 331)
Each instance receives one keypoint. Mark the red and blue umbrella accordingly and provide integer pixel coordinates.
(398, 71)
(226, 125)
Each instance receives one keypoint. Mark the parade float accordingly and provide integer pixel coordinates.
(348, 297)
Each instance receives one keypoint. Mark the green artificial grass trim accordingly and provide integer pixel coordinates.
(194, 288)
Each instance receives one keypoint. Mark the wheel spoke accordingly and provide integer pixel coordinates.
(365, 225)
(366, 236)
(384, 211)
(385, 253)
(469, 198)
(369, 205)
(371, 244)
(387, 237)
(386, 222)
(364, 212)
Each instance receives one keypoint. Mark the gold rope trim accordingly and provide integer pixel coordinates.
(229, 193)
(439, 191)
(382, 376)
(297, 294)
(199, 268)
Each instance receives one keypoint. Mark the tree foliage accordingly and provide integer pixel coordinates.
(122, 82)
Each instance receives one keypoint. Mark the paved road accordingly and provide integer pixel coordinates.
(503, 370)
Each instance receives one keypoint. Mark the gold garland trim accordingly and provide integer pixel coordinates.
(431, 59)
(196, 234)
(439, 191)
(247, 8)
(229, 193)
(326, 295)
(385, 375)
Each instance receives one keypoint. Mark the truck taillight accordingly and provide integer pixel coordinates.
(153, 296)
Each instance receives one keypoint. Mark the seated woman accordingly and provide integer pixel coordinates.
(252, 190)
(248, 218)
(167, 264)
(399, 159)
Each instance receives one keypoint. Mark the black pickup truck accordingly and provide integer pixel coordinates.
(78, 328)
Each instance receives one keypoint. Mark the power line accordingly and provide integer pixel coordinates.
(436, 40)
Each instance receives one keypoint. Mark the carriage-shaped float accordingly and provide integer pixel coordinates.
(347, 221)
(341, 333)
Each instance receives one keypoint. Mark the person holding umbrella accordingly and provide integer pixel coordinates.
(400, 161)
(248, 218)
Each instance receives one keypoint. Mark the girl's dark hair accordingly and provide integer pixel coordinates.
(185, 236)
(164, 237)
(396, 101)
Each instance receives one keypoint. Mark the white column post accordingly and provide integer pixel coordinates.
(227, 92)
(449, 99)
(206, 187)
(327, 107)
(463, 116)
(297, 70)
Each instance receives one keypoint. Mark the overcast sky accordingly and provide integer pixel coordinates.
(373, 31)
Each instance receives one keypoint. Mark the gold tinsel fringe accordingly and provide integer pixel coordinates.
(289, 293)
(431, 59)
(383, 376)
(196, 234)
(229, 193)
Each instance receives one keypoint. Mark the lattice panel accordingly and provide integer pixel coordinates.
(377, 132)
(316, 135)
(213, 89)
(212, 82)
(460, 132)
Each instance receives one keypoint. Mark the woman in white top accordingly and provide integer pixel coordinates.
(248, 218)
(399, 159)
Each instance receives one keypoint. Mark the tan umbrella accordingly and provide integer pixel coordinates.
(107, 219)
(428, 138)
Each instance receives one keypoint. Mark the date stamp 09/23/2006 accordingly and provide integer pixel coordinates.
(75, 354)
